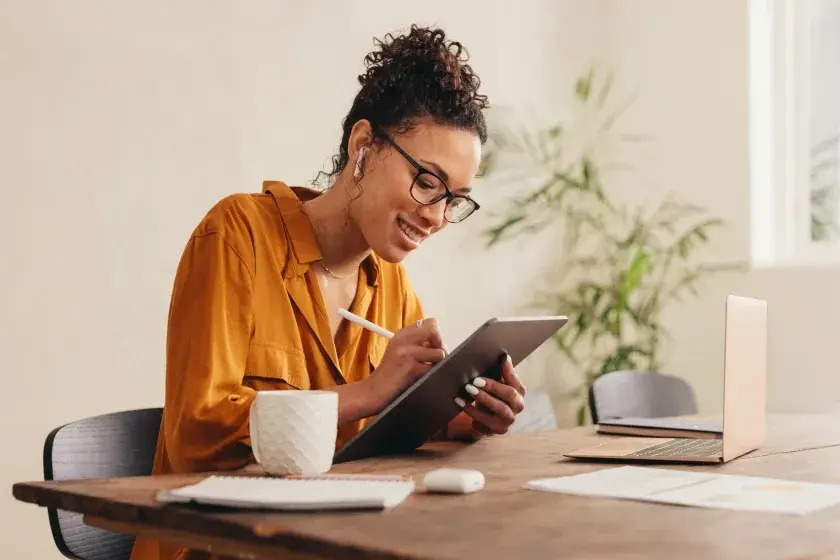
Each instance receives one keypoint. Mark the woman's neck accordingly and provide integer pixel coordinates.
(342, 245)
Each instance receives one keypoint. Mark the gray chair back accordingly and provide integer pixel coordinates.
(107, 446)
(640, 394)
(538, 415)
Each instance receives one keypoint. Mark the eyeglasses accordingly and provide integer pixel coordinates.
(427, 189)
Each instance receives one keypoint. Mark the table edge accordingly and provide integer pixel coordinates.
(176, 516)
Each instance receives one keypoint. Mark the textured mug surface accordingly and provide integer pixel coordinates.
(294, 432)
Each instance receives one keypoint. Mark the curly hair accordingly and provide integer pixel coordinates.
(415, 75)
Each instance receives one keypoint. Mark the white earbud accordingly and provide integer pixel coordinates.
(359, 159)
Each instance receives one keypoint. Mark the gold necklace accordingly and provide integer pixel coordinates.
(336, 276)
(324, 266)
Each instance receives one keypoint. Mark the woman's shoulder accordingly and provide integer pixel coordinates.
(236, 214)
(250, 213)
(245, 222)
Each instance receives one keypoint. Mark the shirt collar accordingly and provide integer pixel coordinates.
(303, 245)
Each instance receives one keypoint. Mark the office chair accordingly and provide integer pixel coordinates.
(538, 415)
(106, 446)
(640, 394)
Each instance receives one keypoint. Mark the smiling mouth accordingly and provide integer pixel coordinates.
(414, 234)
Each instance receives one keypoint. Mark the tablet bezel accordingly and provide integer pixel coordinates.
(414, 416)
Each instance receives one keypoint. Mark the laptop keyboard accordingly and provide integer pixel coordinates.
(690, 447)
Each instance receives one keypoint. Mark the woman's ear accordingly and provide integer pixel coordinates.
(361, 135)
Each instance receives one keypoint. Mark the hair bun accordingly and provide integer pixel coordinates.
(424, 59)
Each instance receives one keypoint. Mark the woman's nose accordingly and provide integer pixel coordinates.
(433, 213)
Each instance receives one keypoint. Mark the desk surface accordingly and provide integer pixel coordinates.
(501, 521)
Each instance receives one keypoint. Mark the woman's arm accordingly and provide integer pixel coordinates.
(207, 408)
(355, 401)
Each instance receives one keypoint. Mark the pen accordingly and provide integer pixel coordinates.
(352, 317)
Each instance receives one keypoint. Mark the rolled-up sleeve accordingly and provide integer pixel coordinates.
(206, 409)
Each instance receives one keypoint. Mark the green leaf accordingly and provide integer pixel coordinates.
(587, 169)
(565, 348)
(624, 357)
(638, 268)
(555, 131)
(581, 414)
(498, 232)
(583, 86)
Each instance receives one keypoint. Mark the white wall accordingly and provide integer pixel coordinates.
(687, 61)
(124, 122)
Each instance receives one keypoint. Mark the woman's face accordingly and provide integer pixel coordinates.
(389, 215)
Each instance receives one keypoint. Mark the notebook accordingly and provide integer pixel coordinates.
(293, 494)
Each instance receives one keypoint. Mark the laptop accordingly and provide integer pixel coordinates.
(661, 427)
(744, 398)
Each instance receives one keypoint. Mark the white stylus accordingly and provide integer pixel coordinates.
(352, 317)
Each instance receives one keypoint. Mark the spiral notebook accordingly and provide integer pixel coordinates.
(327, 492)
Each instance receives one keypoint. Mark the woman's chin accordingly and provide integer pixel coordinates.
(391, 253)
(395, 248)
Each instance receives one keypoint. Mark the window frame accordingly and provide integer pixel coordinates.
(779, 137)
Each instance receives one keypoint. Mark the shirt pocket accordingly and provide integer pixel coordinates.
(271, 361)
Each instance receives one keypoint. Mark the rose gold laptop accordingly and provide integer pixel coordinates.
(744, 397)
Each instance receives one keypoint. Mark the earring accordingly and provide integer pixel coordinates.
(359, 159)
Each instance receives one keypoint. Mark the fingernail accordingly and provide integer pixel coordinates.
(460, 402)
(479, 382)
(508, 359)
(471, 390)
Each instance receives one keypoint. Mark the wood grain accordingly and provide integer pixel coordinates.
(212, 543)
(503, 520)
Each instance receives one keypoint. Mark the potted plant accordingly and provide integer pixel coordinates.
(617, 266)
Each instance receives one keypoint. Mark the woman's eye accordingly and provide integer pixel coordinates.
(428, 182)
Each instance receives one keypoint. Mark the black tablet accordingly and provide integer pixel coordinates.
(428, 405)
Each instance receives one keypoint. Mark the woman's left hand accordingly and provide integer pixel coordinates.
(495, 403)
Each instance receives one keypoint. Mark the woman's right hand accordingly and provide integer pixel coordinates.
(410, 354)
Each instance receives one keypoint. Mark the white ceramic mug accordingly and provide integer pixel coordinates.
(294, 432)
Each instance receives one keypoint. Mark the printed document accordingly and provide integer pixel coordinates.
(699, 489)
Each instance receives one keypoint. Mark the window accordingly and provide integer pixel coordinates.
(795, 131)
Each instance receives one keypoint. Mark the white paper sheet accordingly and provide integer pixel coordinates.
(699, 489)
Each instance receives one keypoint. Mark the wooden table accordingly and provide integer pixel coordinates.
(501, 521)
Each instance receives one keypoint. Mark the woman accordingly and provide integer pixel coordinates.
(256, 292)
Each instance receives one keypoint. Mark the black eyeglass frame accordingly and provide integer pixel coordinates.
(447, 194)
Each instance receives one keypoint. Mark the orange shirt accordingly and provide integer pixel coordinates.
(247, 314)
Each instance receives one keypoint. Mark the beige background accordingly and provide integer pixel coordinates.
(122, 123)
